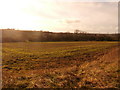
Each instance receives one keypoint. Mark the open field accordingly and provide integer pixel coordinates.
(60, 64)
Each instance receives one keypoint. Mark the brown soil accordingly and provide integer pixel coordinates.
(99, 73)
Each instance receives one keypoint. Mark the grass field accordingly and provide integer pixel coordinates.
(58, 65)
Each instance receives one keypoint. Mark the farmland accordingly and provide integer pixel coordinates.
(60, 64)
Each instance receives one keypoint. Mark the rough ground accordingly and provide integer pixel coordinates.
(101, 71)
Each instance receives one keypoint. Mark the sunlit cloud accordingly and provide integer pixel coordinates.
(57, 15)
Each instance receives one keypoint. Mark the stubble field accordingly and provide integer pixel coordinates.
(60, 65)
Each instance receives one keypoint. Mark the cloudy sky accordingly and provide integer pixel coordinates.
(98, 16)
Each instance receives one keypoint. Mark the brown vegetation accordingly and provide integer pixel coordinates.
(11, 35)
(60, 65)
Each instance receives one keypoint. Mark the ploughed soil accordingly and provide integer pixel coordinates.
(97, 71)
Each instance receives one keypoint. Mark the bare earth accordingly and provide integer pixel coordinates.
(99, 73)
(102, 73)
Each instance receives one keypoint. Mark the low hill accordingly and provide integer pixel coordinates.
(11, 35)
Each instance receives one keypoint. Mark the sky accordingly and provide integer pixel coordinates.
(95, 16)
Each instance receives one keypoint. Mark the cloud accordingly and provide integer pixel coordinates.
(70, 21)
(59, 15)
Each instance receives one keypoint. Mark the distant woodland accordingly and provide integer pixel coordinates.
(11, 35)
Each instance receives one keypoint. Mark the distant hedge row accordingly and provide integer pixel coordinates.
(40, 36)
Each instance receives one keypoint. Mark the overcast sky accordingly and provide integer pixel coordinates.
(98, 16)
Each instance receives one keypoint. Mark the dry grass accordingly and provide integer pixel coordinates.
(60, 65)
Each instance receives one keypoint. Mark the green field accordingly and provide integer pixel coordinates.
(49, 64)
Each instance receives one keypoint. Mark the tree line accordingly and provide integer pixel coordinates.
(11, 35)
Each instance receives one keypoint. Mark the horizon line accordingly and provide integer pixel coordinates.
(61, 31)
